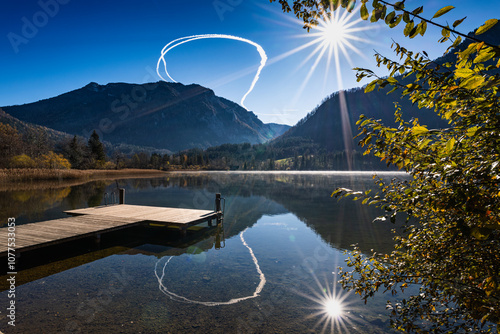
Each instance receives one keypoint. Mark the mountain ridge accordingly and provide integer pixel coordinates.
(162, 115)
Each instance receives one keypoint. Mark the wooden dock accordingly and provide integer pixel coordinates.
(51, 232)
(97, 220)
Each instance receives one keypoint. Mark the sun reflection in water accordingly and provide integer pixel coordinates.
(333, 308)
(330, 308)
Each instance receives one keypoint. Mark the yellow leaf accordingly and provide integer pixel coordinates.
(472, 82)
(472, 131)
(480, 233)
(443, 11)
(486, 26)
(464, 72)
(417, 130)
(450, 144)
(484, 55)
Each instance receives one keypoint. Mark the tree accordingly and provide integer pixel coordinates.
(75, 153)
(22, 161)
(165, 162)
(136, 162)
(119, 159)
(449, 244)
(36, 142)
(10, 144)
(155, 161)
(96, 150)
(53, 160)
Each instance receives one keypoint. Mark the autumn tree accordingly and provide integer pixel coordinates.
(53, 160)
(36, 142)
(449, 245)
(22, 161)
(10, 144)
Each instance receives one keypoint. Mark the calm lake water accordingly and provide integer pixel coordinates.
(270, 268)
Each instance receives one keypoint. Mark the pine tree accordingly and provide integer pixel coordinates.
(76, 153)
(96, 150)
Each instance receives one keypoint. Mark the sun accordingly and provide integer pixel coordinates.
(336, 33)
(332, 33)
(335, 39)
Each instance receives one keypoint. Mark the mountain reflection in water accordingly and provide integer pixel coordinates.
(294, 236)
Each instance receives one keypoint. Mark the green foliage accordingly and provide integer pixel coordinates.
(76, 153)
(448, 245)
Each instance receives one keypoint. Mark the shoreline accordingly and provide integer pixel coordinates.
(39, 174)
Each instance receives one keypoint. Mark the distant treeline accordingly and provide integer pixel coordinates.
(33, 149)
(292, 154)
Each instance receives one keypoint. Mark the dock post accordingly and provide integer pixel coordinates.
(217, 203)
(218, 208)
(122, 196)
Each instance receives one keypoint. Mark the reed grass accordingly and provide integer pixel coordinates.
(30, 174)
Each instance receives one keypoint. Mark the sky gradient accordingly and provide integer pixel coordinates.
(50, 47)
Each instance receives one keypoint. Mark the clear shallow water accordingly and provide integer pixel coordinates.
(267, 270)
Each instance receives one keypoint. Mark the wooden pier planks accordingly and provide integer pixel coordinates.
(51, 232)
(93, 221)
(168, 216)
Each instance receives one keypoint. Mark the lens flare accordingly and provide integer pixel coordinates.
(332, 311)
(179, 41)
(333, 307)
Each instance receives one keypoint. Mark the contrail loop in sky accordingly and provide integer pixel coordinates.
(182, 40)
(163, 288)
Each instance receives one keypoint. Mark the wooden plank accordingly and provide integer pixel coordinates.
(156, 214)
(96, 220)
(41, 234)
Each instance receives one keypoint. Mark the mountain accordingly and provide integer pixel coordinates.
(26, 128)
(325, 126)
(162, 115)
(323, 129)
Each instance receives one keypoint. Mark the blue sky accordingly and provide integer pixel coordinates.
(49, 47)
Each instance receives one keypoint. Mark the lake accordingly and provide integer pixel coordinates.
(270, 267)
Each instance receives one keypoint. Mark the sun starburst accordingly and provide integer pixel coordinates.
(331, 309)
(332, 32)
(335, 36)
